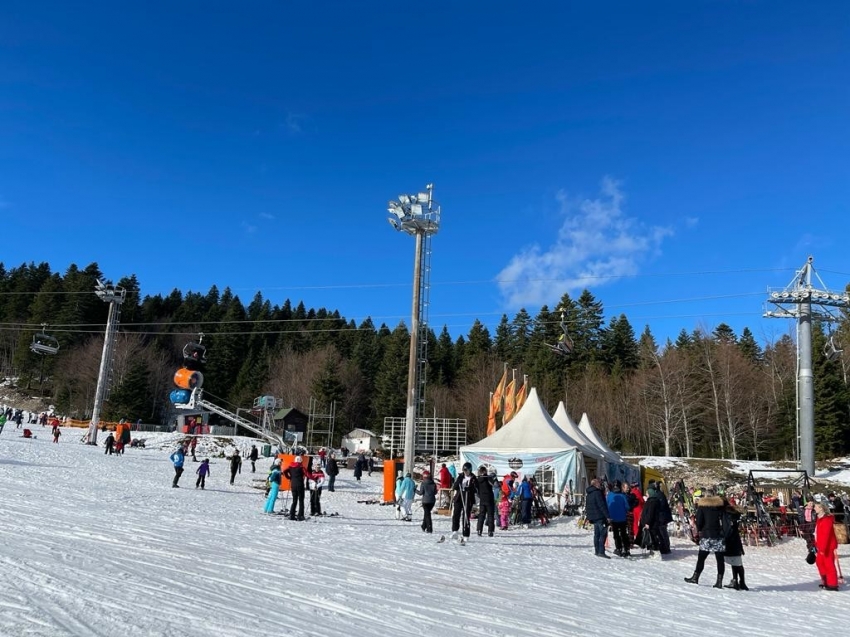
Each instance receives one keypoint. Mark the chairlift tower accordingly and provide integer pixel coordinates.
(803, 301)
(417, 215)
(113, 295)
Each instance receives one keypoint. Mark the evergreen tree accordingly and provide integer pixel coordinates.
(131, 400)
(620, 346)
(749, 348)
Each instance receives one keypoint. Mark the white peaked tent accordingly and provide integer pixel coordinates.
(529, 441)
(616, 469)
(589, 432)
(563, 420)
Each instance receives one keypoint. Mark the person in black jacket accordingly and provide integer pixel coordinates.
(710, 512)
(254, 456)
(734, 549)
(428, 490)
(332, 470)
(295, 474)
(651, 522)
(486, 502)
(665, 515)
(464, 489)
(596, 511)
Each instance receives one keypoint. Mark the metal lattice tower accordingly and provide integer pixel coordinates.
(419, 216)
(802, 301)
(320, 425)
(113, 295)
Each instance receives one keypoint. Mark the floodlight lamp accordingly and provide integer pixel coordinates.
(416, 209)
(394, 223)
(785, 295)
(422, 197)
(404, 199)
(774, 295)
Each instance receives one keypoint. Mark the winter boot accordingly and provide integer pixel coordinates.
(742, 585)
(734, 582)
(719, 582)
(693, 579)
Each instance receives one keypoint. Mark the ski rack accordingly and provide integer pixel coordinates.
(196, 401)
(685, 510)
(764, 522)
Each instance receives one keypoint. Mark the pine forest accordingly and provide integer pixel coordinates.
(709, 393)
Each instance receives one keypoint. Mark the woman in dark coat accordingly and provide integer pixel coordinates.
(650, 521)
(428, 490)
(358, 467)
(734, 549)
(486, 502)
(332, 471)
(710, 512)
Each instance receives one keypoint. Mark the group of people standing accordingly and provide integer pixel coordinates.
(301, 478)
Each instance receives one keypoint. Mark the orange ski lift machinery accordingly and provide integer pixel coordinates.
(44, 344)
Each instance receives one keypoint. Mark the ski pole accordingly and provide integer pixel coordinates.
(838, 568)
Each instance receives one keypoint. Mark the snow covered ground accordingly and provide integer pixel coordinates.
(98, 545)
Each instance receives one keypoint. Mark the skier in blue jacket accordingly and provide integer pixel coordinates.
(618, 511)
(404, 496)
(177, 459)
(274, 487)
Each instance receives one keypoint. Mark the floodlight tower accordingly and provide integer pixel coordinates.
(802, 301)
(417, 215)
(113, 295)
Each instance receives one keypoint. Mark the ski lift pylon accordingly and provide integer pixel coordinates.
(43, 343)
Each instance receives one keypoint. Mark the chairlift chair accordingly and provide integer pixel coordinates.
(832, 350)
(44, 344)
(564, 346)
(194, 354)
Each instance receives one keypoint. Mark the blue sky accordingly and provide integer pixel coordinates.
(652, 152)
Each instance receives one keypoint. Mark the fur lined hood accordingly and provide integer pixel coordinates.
(711, 501)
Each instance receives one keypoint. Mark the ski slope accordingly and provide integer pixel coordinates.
(102, 545)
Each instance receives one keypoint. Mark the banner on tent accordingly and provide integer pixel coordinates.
(563, 463)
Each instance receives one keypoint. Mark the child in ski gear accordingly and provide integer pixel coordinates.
(295, 474)
(464, 489)
(235, 465)
(734, 548)
(56, 433)
(710, 512)
(253, 457)
(618, 509)
(203, 471)
(404, 496)
(274, 487)
(486, 502)
(177, 459)
(110, 443)
(504, 511)
(428, 490)
(596, 511)
(826, 544)
(316, 481)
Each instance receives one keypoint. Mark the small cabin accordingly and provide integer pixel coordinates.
(359, 440)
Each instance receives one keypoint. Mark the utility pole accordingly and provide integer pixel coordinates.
(417, 215)
(802, 301)
(113, 295)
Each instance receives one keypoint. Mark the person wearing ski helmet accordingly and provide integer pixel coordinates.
(464, 489)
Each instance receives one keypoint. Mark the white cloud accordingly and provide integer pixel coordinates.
(691, 222)
(248, 228)
(596, 244)
(266, 215)
(293, 123)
